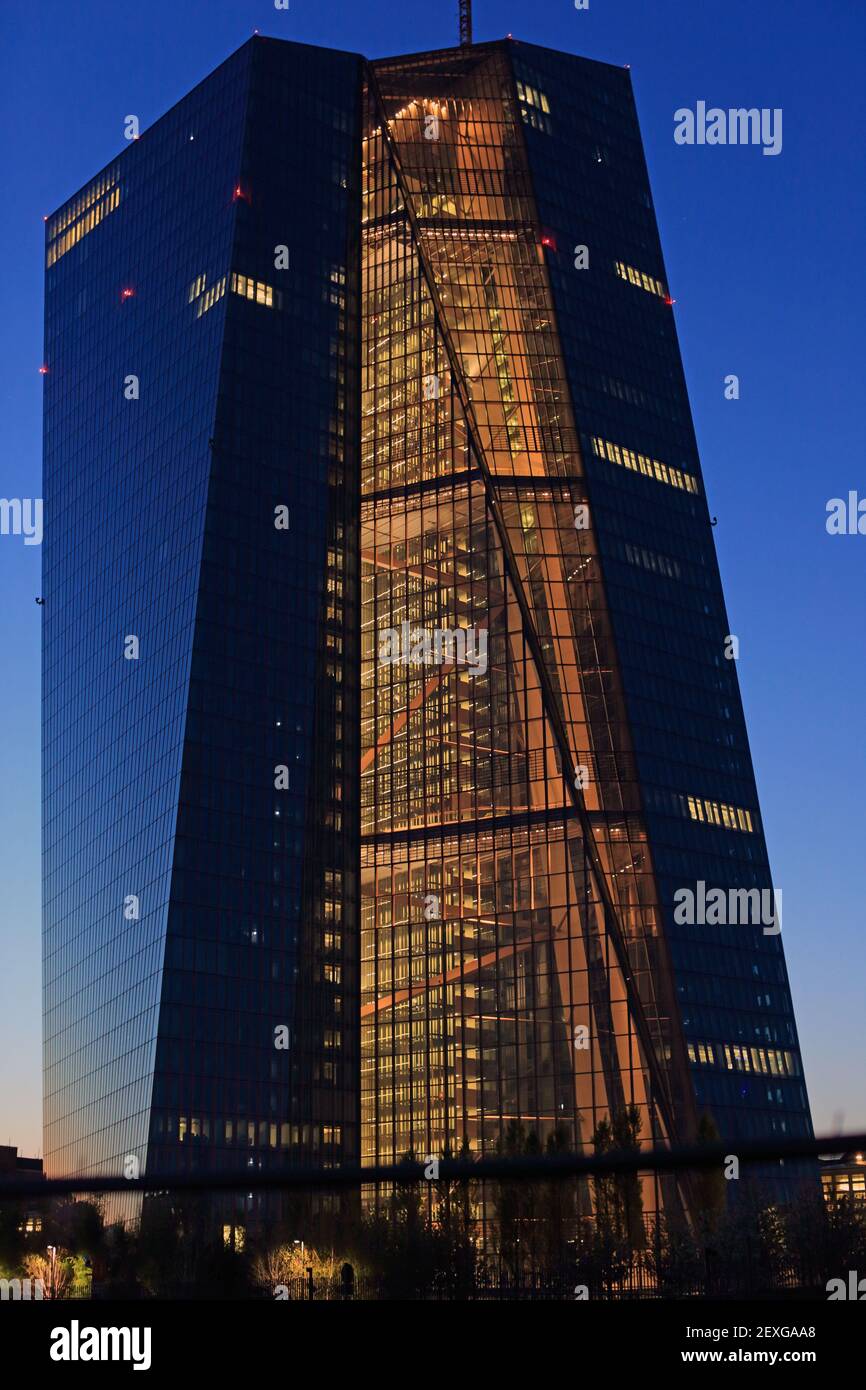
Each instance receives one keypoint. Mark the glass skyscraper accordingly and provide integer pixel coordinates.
(388, 703)
(200, 667)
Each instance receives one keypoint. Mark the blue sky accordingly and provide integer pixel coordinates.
(764, 257)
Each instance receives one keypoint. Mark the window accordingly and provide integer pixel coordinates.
(204, 298)
(639, 463)
(718, 813)
(256, 290)
(534, 107)
(244, 285)
(641, 279)
(532, 97)
(81, 216)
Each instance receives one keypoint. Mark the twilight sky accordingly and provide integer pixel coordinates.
(764, 257)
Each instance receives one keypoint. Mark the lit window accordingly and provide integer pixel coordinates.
(81, 216)
(703, 1053)
(641, 279)
(203, 297)
(534, 106)
(256, 290)
(651, 468)
(715, 813)
(233, 1237)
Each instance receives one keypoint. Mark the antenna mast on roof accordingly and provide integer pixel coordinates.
(465, 21)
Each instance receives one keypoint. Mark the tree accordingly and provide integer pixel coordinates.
(77, 1226)
(55, 1270)
(13, 1243)
(509, 1203)
(454, 1224)
(290, 1265)
(619, 1226)
(558, 1209)
(398, 1244)
(709, 1186)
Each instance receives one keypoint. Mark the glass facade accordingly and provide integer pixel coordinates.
(660, 573)
(200, 686)
(528, 818)
(514, 979)
(371, 841)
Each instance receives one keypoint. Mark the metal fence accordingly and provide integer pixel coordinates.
(531, 1228)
